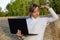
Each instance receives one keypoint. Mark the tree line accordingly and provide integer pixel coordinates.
(20, 7)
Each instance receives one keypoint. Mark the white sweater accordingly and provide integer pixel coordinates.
(37, 26)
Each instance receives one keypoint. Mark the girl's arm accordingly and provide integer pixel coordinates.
(54, 15)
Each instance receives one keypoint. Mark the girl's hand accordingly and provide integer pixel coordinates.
(44, 6)
(19, 33)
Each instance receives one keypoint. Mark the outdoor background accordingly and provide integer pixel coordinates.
(19, 8)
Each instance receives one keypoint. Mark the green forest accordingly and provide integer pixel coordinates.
(20, 7)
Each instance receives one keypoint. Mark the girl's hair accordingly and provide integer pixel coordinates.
(32, 8)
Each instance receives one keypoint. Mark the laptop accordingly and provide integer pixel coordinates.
(18, 23)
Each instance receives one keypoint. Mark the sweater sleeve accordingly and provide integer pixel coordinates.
(54, 16)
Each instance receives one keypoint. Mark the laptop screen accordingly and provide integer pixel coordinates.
(15, 24)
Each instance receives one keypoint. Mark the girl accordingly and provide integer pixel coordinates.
(37, 24)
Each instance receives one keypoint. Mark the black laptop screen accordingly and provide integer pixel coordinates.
(16, 24)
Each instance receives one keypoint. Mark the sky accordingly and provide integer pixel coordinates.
(3, 4)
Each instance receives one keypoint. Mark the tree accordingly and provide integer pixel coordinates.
(0, 9)
(55, 4)
(20, 7)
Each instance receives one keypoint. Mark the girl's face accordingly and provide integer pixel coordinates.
(35, 13)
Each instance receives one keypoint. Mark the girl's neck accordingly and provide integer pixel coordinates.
(35, 17)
